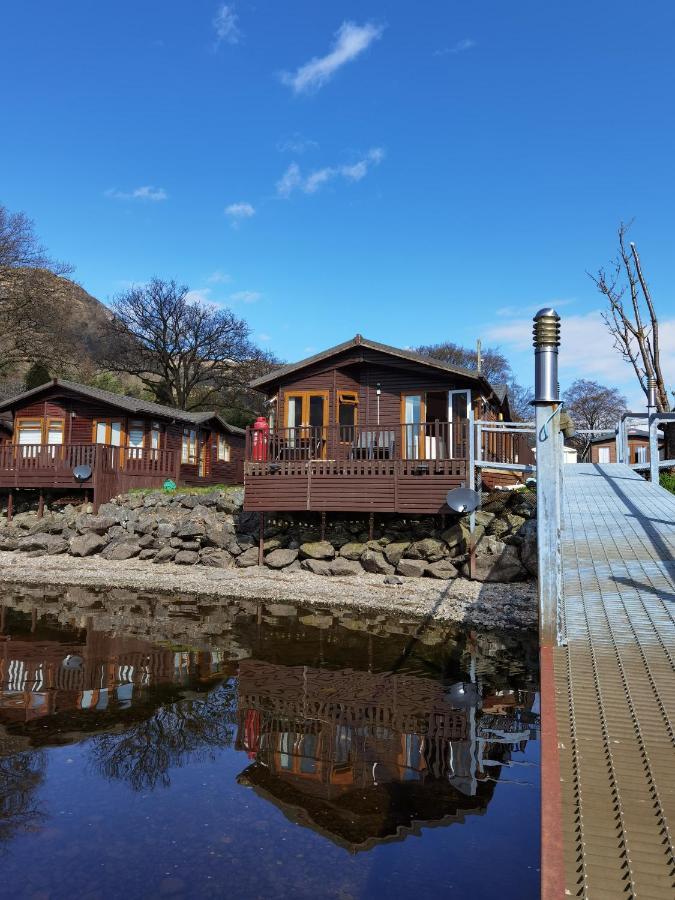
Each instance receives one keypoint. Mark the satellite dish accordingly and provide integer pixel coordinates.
(82, 473)
(463, 500)
(72, 661)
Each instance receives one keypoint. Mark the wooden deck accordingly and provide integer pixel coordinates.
(614, 704)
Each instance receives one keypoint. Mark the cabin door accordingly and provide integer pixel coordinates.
(204, 458)
(459, 403)
(306, 421)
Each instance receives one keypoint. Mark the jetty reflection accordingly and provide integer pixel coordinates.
(360, 733)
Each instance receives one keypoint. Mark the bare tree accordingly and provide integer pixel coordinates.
(20, 247)
(592, 405)
(633, 322)
(185, 352)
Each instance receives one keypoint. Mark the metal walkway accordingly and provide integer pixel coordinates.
(615, 685)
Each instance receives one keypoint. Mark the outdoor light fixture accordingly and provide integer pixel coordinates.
(546, 339)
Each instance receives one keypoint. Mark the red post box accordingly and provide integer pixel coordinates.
(260, 435)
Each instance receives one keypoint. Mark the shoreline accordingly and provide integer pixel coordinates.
(493, 605)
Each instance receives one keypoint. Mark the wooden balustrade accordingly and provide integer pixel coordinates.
(63, 458)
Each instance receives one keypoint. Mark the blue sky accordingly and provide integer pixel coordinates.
(414, 172)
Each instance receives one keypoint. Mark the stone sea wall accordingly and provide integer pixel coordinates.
(211, 529)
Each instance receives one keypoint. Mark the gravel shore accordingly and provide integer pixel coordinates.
(492, 605)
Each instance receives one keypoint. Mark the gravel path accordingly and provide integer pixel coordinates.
(493, 605)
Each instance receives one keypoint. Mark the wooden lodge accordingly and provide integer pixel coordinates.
(122, 442)
(368, 427)
(602, 447)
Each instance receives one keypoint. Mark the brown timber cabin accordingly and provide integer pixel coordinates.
(127, 443)
(366, 427)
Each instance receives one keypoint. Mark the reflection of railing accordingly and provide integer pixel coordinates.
(350, 443)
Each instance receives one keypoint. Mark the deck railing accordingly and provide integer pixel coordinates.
(351, 443)
(63, 458)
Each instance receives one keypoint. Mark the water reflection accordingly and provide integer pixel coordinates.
(364, 729)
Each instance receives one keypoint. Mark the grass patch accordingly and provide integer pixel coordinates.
(186, 489)
(667, 481)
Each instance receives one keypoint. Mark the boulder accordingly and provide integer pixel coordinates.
(218, 535)
(146, 541)
(411, 568)
(166, 554)
(279, 559)
(165, 530)
(508, 523)
(343, 566)
(457, 536)
(317, 550)
(189, 545)
(86, 544)
(528, 548)
(374, 562)
(393, 580)
(442, 569)
(496, 561)
(9, 543)
(317, 566)
(394, 551)
(216, 559)
(190, 530)
(271, 544)
(352, 550)
(147, 554)
(122, 549)
(248, 558)
(429, 549)
(484, 518)
(186, 558)
(51, 544)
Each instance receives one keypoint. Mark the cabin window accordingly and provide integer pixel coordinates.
(223, 449)
(155, 436)
(640, 454)
(55, 431)
(603, 454)
(108, 431)
(135, 438)
(347, 414)
(36, 432)
(189, 447)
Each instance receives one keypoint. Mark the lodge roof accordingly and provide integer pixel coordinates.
(358, 340)
(129, 404)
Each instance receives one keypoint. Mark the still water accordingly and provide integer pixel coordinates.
(169, 747)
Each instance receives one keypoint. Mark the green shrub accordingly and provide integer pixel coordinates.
(667, 481)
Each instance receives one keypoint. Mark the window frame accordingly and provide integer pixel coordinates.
(340, 399)
(223, 449)
(108, 421)
(190, 456)
(305, 398)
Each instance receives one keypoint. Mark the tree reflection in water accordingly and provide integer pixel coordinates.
(20, 777)
(176, 734)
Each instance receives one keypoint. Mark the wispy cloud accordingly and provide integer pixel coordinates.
(263, 338)
(351, 40)
(146, 192)
(297, 144)
(293, 178)
(219, 277)
(201, 296)
(238, 212)
(226, 24)
(459, 47)
(245, 297)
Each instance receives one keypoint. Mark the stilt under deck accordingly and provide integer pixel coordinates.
(609, 764)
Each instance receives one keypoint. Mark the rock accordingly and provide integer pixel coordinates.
(186, 558)
(279, 559)
(190, 530)
(352, 550)
(189, 545)
(87, 544)
(51, 544)
(147, 554)
(484, 518)
(165, 530)
(230, 502)
(496, 561)
(442, 569)
(248, 558)
(122, 549)
(411, 568)
(393, 580)
(372, 561)
(217, 559)
(429, 549)
(146, 541)
(343, 566)
(317, 566)
(166, 554)
(271, 544)
(218, 535)
(508, 523)
(394, 551)
(457, 536)
(111, 510)
(528, 548)
(317, 550)
(9, 543)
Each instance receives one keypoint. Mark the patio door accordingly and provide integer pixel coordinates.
(306, 419)
(459, 403)
(413, 417)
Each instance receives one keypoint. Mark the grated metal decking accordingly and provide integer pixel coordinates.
(615, 685)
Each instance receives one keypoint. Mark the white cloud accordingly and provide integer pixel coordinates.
(201, 296)
(296, 143)
(237, 212)
(293, 179)
(219, 277)
(350, 41)
(263, 338)
(459, 47)
(245, 297)
(146, 192)
(226, 25)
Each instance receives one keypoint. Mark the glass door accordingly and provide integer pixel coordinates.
(306, 421)
(458, 415)
(413, 416)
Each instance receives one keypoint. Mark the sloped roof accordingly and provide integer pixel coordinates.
(129, 404)
(360, 341)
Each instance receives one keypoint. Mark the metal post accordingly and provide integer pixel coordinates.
(549, 462)
(617, 441)
(471, 462)
(261, 538)
(654, 449)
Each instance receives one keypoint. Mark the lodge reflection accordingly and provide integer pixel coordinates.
(360, 756)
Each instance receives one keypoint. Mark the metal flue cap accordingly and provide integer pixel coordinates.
(546, 328)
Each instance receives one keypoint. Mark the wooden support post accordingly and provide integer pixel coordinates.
(653, 449)
(41, 505)
(33, 620)
(261, 538)
(10, 506)
(323, 526)
(371, 525)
